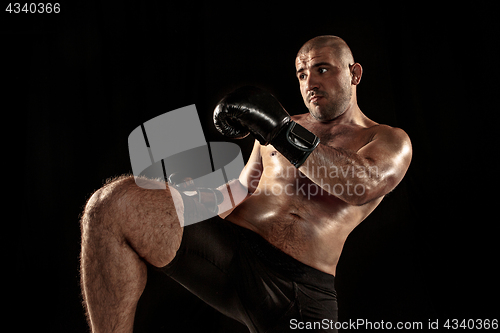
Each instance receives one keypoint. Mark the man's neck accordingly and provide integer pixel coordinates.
(352, 115)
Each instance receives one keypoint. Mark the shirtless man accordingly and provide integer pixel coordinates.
(270, 263)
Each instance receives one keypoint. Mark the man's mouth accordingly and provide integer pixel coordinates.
(315, 98)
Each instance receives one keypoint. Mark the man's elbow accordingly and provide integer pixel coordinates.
(369, 191)
(361, 197)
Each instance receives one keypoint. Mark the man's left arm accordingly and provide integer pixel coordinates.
(358, 177)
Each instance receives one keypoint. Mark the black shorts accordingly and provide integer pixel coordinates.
(240, 274)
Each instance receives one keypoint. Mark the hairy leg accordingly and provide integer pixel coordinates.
(124, 225)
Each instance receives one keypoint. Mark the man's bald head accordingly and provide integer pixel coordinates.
(337, 44)
(327, 76)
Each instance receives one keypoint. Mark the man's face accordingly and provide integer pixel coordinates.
(325, 83)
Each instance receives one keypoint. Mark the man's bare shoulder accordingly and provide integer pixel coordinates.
(391, 135)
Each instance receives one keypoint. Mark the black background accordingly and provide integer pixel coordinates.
(78, 82)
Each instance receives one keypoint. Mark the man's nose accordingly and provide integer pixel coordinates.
(312, 82)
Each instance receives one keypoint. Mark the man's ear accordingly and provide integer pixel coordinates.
(356, 73)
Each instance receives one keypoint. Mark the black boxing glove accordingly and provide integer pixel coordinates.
(211, 198)
(253, 110)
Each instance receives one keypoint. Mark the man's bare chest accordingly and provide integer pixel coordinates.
(346, 137)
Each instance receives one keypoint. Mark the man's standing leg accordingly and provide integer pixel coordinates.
(124, 225)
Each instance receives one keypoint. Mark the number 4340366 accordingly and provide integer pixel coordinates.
(33, 8)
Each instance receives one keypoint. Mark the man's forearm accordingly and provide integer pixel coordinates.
(344, 174)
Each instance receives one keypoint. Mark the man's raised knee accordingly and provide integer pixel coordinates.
(104, 200)
(146, 219)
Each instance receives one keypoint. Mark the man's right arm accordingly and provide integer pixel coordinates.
(238, 190)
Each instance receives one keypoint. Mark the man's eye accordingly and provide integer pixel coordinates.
(322, 70)
(302, 76)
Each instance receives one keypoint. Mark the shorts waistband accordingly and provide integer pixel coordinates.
(284, 263)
